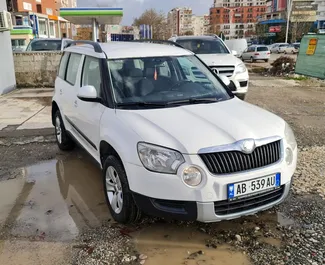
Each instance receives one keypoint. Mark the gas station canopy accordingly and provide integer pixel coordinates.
(86, 15)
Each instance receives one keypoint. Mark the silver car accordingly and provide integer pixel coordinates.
(278, 47)
(256, 52)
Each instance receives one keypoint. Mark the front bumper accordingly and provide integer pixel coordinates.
(210, 211)
(239, 83)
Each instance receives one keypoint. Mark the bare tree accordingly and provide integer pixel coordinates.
(155, 19)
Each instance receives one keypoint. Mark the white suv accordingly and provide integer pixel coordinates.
(169, 144)
(215, 53)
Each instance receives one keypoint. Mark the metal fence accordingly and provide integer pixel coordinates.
(311, 57)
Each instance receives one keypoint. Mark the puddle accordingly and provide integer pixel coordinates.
(53, 201)
(183, 245)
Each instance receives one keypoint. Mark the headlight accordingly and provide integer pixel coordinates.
(290, 137)
(192, 176)
(159, 159)
(240, 68)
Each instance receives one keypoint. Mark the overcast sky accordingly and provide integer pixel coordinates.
(134, 8)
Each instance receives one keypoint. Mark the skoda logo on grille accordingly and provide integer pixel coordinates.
(247, 146)
(215, 70)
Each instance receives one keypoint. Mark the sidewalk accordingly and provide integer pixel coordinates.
(26, 109)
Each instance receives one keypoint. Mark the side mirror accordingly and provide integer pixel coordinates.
(88, 94)
(225, 80)
(233, 52)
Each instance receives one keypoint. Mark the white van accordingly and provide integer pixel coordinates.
(238, 45)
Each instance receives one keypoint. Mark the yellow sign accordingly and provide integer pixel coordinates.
(311, 47)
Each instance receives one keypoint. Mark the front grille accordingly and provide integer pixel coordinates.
(227, 70)
(248, 203)
(236, 161)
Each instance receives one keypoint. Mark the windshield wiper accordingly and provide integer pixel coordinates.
(141, 104)
(194, 101)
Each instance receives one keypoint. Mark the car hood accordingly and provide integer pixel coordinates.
(219, 59)
(192, 127)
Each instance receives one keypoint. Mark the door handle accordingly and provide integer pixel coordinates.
(76, 103)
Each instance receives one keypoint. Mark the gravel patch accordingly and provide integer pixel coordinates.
(310, 173)
(109, 244)
(301, 240)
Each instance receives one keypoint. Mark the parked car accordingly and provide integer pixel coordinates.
(47, 44)
(292, 48)
(214, 53)
(238, 45)
(278, 47)
(169, 145)
(258, 52)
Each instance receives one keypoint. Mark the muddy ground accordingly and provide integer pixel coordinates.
(52, 207)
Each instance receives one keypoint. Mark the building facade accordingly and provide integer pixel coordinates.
(320, 15)
(179, 21)
(39, 16)
(236, 19)
(200, 25)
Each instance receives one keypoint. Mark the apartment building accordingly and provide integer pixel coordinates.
(40, 18)
(236, 18)
(179, 21)
(320, 15)
(200, 25)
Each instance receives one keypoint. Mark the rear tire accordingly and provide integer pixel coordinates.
(266, 60)
(118, 195)
(64, 142)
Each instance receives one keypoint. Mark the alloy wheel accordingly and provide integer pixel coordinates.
(114, 189)
(58, 130)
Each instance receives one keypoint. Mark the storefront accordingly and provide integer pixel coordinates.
(20, 37)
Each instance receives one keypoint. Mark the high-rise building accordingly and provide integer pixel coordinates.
(236, 18)
(200, 24)
(179, 21)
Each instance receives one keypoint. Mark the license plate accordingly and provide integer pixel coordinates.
(253, 186)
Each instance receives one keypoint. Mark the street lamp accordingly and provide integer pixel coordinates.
(289, 9)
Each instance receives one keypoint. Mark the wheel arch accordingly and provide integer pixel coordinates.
(105, 149)
(55, 108)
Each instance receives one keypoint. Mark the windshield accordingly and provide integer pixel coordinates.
(262, 49)
(203, 46)
(45, 45)
(164, 81)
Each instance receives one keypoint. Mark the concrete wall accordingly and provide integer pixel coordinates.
(7, 73)
(36, 69)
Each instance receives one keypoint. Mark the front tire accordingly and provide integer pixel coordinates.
(63, 140)
(118, 195)
(252, 60)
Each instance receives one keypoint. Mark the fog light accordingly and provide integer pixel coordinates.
(192, 176)
(289, 156)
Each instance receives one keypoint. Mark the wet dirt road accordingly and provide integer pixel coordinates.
(46, 207)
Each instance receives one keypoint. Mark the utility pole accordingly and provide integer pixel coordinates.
(289, 8)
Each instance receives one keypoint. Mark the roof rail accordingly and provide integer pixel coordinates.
(96, 46)
(161, 42)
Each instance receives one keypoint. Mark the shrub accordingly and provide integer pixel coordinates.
(282, 65)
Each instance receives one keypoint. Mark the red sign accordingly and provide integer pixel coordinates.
(275, 29)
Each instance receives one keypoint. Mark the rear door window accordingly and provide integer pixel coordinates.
(63, 65)
(73, 66)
